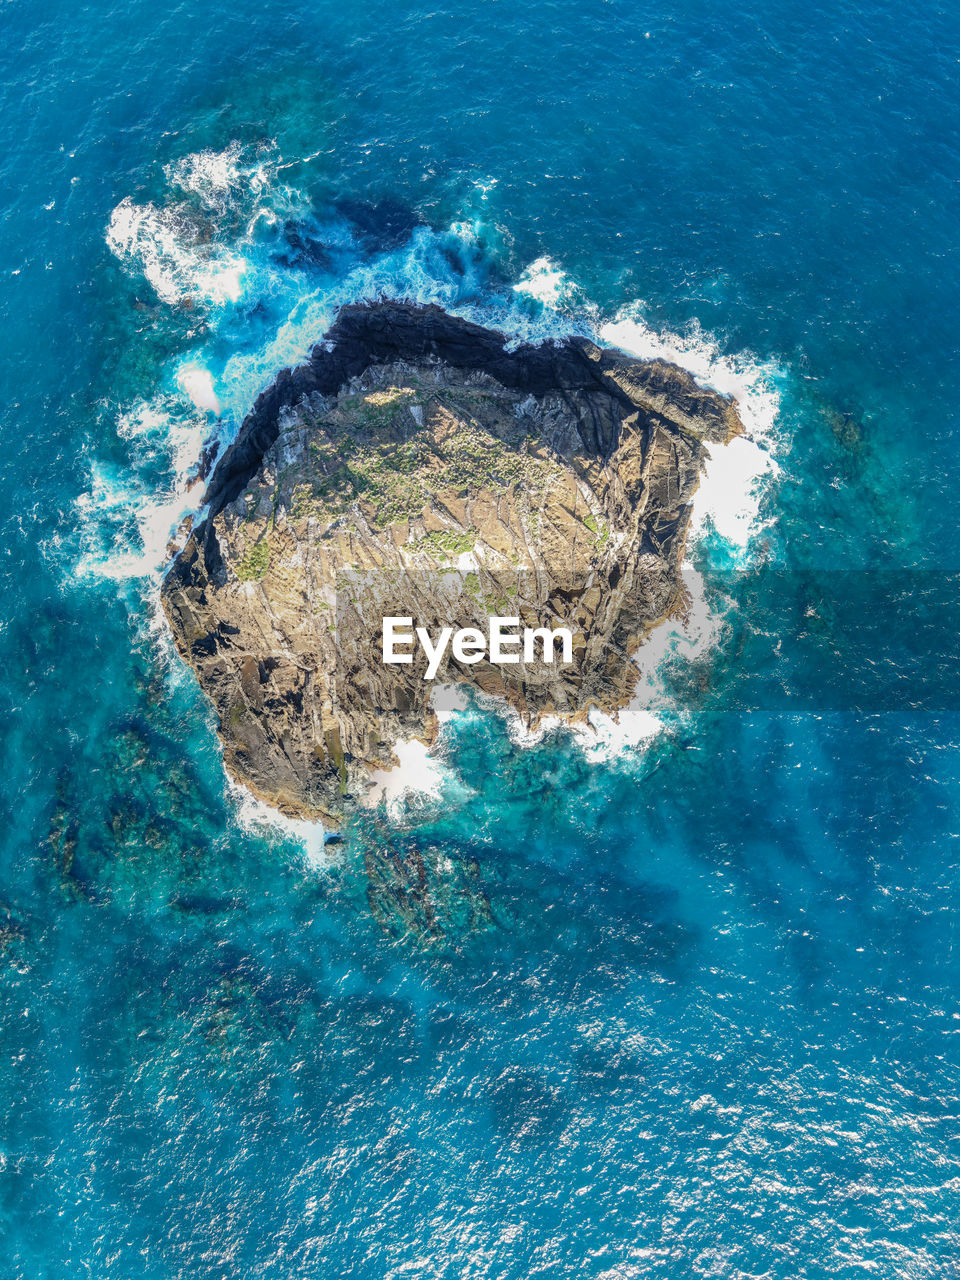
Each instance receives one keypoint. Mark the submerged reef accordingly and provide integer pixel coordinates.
(418, 465)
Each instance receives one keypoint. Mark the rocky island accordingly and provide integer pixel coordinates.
(419, 465)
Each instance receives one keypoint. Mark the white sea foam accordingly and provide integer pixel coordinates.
(211, 175)
(610, 737)
(197, 382)
(256, 817)
(737, 474)
(548, 284)
(731, 491)
(751, 382)
(417, 773)
(148, 418)
(113, 508)
(167, 246)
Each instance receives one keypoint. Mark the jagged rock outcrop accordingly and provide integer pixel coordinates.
(418, 466)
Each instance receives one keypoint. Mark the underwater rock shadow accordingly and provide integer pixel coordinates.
(380, 225)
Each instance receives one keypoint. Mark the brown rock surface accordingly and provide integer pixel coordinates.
(416, 466)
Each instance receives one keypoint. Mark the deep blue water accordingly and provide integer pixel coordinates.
(690, 1011)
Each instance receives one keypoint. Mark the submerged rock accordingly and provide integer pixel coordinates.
(425, 893)
(417, 466)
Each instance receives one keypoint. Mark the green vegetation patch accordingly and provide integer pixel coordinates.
(368, 450)
(255, 562)
(598, 528)
(444, 544)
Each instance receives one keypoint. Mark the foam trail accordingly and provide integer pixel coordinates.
(156, 522)
(751, 383)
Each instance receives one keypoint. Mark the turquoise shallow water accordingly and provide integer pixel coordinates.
(685, 1012)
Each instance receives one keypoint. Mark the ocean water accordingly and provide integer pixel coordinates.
(681, 998)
